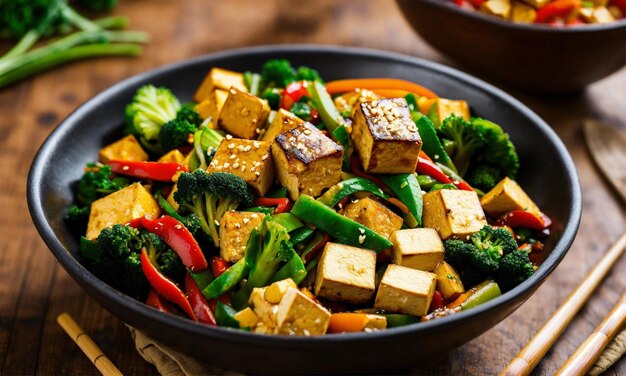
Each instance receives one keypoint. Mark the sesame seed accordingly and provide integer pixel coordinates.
(237, 225)
(125, 168)
(232, 156)
(226, 165)
(247, 148)
(178, 226)
(246, 220)
(231, 145)
(256, 144)
(257, 173)
(307, 132)
(362, 231)
(217, 223)
(404, 184)
(228, 137)
(361, 239)
(264, 157)
(243, 168)
(236, 165)
(436, 156)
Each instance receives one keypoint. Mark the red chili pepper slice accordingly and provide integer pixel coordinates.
(176, 235)
(292, 94)
(164, 286)
(557, 8)
(282, 204)
(159, 171)
(477, 3)
(218, 266)
(198, 302)
(437, 302)
(522, 218)
(317, 248)
(154, 300)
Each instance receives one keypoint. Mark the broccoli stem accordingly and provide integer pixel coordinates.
(113, 23)
(62, 57)
(211, 215)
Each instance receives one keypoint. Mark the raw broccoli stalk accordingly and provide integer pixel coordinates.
(514, 269)
(268, 248)
(467, 139)
(484, 177)
(96, 182)
(472, 264)
(495, 241)
(209, 196)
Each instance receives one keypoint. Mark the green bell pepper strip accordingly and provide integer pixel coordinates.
(203, 279)
(279, 193)
(341, 135)
(325, 106)
(289, 221)
(294, 269)
(260, 209)
(484, 292)
(347, 187)
(395, 320)
(167, 207)
(408, 190)
(343, 229)
(225, 315)
(89, 249)
(431, 145)
(300, 235)
(226, 280)
(426, 182)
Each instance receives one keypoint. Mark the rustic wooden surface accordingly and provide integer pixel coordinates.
(34, 289)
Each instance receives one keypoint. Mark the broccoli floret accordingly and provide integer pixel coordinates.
(278, 72)
(514, 269)
(190, 115)
(484, 177)
(498, 150)
(301, 110)
(209, 196)
(150, 108)
(472, 264)
(96, 182)
(37, 17)
(267, 249)
(99, 5)
(77, 218)
(467, 139)
(175, 133)
(308, 74)
(495, 241)
(192, 222)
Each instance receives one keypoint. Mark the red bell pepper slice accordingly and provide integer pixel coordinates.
(176, 235)
(292, 94)
(282, 204)
(426, 166)
(164, 286)
(522, 218)
(198, 302)
(557, 8)
(437, 302)
(158, 171)
(154, 300)
(218, 266)
(620, 4)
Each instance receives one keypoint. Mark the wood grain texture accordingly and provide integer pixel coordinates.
(34, 290)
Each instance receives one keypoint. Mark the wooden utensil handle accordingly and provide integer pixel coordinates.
(534, 351)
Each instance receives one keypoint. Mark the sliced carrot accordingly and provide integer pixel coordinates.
(347, 322)
(391, 93)
(343, 86)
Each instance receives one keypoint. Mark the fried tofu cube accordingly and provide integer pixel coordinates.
(374, 215)
(247, 318)
(299, 315)
(283, 121)
(235, 229)
(243, 115)
(221, 79)
(274, 293)
(386, 137)
(453, 213)
(417, 248)
(375, 322)
(212, 106)
(522, 13)
(172, 156)
(125, 149)
(405, 290)
(507, 196)
(346, 274)
(248, 159)
(264, 310)
(307, 161)
(349, 102)
(498, 8)
(448, 281)
(598, 14)
(444, 107)
(121, 207)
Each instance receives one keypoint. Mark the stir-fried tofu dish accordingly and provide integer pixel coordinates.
(550, 12)
(277, 203)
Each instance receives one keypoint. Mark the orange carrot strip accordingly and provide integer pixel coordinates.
(343, 86)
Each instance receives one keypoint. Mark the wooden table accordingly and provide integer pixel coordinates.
(34, 289)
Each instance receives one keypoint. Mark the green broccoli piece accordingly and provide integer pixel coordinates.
(498, 150)
(77, 218)
(175, 133)
(301, 110)
(190, 115)
(209, 196)
(467, 139)
(35, 18)
(149, 110)
(99, 5)
(484, 177)
(472, 264)
(494, 241)
(96, 182)
(278, 72)
(308, 74)
(514, 269)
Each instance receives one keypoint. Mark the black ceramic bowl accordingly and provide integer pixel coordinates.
(536, 58)
(76, 141)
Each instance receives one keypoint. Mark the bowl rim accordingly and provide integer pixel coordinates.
(81, 275)
(479, 16)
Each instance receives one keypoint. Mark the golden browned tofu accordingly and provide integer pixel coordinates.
(243, 115)
(212, 106)
(349, 102)
(453, 213)
(444, 107)
(386, 136)
(235, 229)
(307, 161)
(248, 159)
(283, 121)
(598, 14)
(172, 156)
(522, 13)
(247, 318)
(221, 79)
(297, 314)
(274, 293)
(374, 215)
(405, 290)
(121, 207)
(417, 248)
(507, 196)
(264, 310)
(498, 8)
(374, 322)
(448, 281)
(125, 149)
(346, 274)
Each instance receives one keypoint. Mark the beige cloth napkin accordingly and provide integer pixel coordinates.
(169, 362)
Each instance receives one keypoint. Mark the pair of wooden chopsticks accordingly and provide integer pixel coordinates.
(586, 355)
(89, 347)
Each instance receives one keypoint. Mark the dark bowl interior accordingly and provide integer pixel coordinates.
(75, 142)
(536, 58)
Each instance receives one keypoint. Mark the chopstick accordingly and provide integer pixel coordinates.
(587, 354)
(89, 347)
(534, 351)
